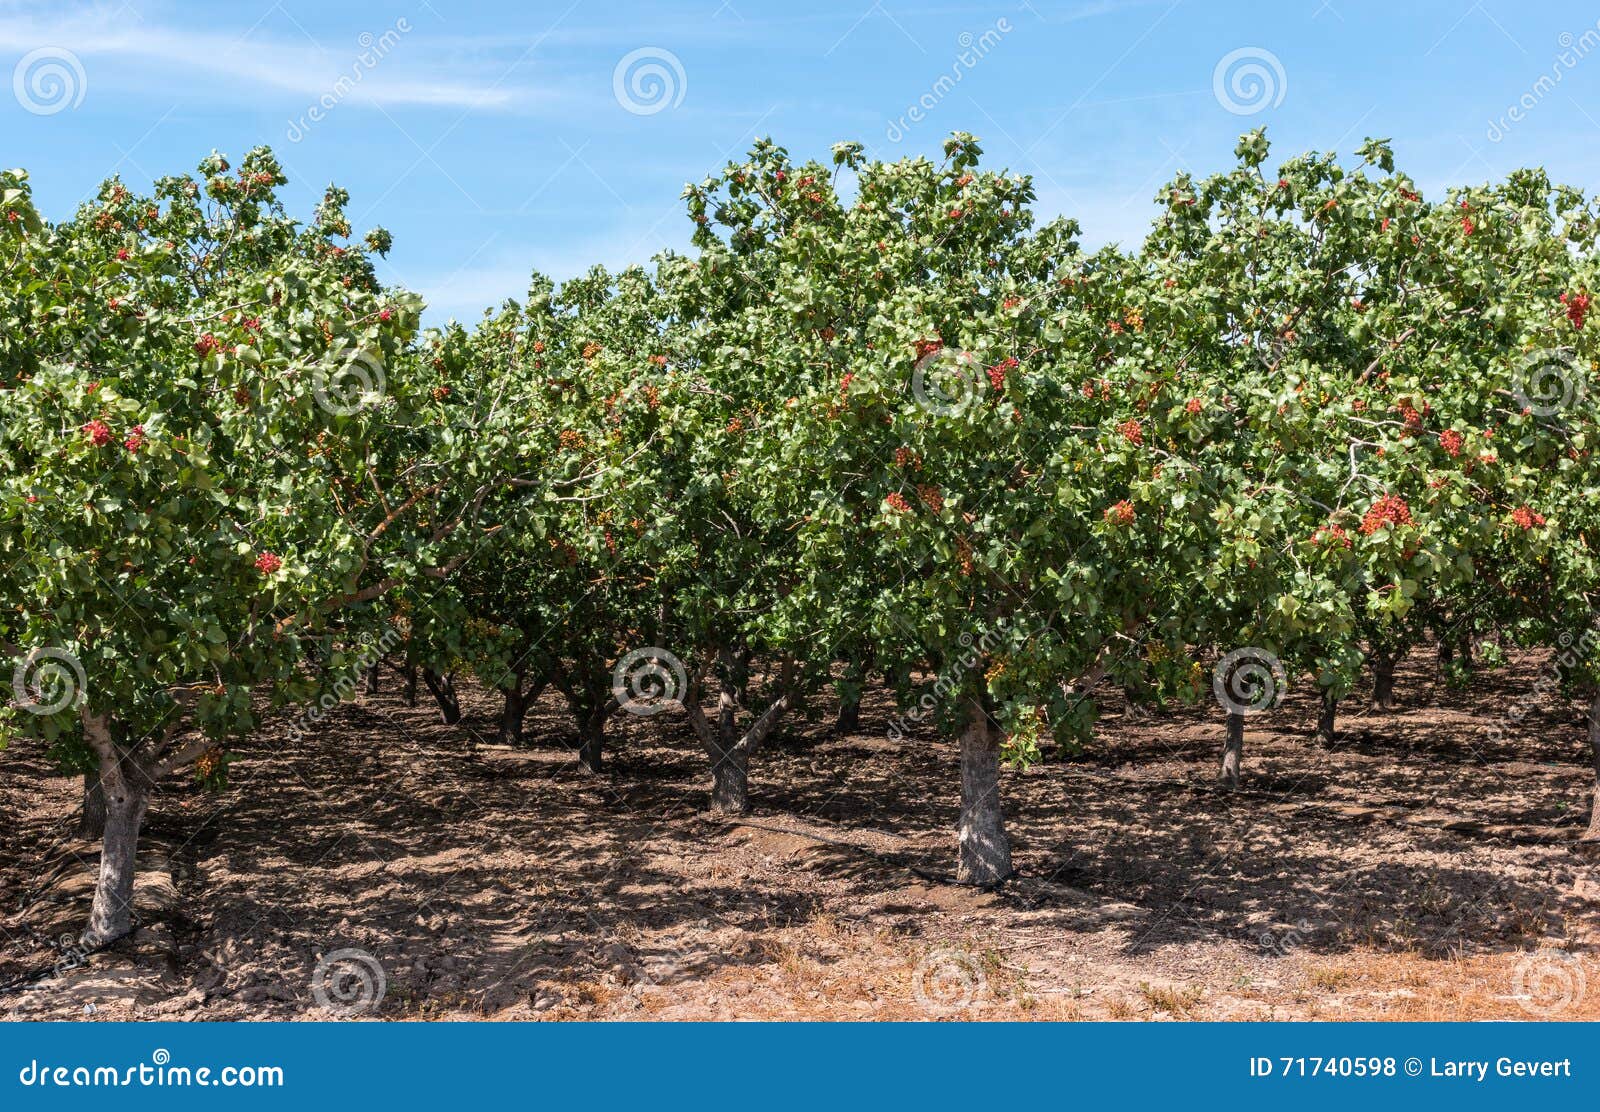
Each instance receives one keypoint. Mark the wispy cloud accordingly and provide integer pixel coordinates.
(260, 58)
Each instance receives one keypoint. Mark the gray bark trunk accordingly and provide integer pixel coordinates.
(92, 822)
(1326, 735)
(592, 741)
(1233, 751)
(513, 715)
(983, 848)
(1383, 681)
(127, 796)
(729, 750)
(443, 689)
(730, 783)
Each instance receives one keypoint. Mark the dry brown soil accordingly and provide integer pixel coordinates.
(1419, 871)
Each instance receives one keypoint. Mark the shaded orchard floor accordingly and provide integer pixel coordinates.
(1420, 871)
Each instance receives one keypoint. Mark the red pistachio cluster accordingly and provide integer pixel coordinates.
(1389, 510)
(1577, 308)
(1121, 513)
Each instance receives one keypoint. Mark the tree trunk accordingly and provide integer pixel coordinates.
(372, 679)
(983, 849)
(729, 750)
(443, 689)
(516, 710)
(127, 796)
(92, 822)
(849, 720)
(1233, 751)
(1325, 719)
(592, 740)
(1593, 833)
(730, 782)
(1383, 681)
(411, 685)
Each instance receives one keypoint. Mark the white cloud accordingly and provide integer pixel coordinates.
(396, 71)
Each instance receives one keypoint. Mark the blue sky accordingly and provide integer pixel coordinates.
(496, 138)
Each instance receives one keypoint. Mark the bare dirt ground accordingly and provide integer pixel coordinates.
(1420, 871)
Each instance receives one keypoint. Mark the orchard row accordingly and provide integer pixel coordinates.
(878, 422)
